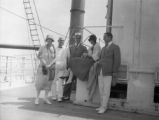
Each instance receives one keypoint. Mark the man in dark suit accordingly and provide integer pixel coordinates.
(76, 51)
(109, 63)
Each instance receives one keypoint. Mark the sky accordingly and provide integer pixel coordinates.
(53, 14)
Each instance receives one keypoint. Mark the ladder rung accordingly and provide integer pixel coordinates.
(31, 19)
(36, 41)
(34, 35)
(34, 32)
(33, 29)
(27, 7)
(32, 24)
(29, 13)
(27, 2)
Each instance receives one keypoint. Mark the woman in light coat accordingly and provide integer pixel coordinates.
(46, 69)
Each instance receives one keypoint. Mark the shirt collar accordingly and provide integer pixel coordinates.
(109, 44)
(77, 45)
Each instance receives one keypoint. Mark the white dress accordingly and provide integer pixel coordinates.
(42, 81)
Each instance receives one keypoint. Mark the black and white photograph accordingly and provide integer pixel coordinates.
(79, 60)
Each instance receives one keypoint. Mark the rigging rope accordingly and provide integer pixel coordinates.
(85, 28)
(34, 23)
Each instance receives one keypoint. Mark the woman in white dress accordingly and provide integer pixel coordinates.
(46, 69)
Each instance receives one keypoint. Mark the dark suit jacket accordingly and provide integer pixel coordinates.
(110, 59)
(79, 65)
(77, 51)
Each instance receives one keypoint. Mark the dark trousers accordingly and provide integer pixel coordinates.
(68, 88)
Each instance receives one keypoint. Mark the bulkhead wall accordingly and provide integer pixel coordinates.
(138, 38)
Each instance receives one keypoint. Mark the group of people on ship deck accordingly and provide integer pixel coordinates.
(60, 65)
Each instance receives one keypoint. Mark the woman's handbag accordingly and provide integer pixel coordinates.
(52, 73)
(44, 70)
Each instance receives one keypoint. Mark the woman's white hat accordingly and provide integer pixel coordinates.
(50, 37)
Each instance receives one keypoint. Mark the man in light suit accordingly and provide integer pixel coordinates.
(109, 63)
(57, 85)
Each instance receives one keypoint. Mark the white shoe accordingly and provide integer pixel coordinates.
(101, 111)
(97, 109)
(47, 101)
(54, 98)
(36, 101)
(59, 100)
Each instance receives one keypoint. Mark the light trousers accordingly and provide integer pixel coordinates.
(57, 86)
(104, 83)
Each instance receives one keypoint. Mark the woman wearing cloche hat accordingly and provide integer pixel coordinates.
(45, 72)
